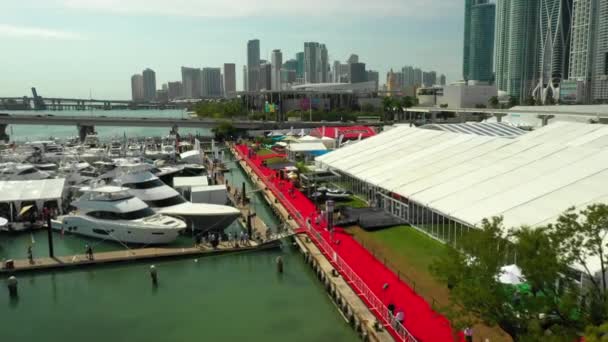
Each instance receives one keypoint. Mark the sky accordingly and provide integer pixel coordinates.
(78, 48)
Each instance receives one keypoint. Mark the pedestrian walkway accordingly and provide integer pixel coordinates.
(420, 319)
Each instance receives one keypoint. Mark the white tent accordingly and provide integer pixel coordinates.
(511, 275)
(309, 138)
(307, 147)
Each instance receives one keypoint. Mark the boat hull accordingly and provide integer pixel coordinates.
(119, 231)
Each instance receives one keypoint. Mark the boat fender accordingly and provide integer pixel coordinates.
(13, 290)
(154, 275)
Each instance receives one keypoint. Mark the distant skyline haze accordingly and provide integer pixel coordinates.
(71, 48)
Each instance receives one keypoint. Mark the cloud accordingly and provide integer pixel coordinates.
(37, 32)
(269, 8)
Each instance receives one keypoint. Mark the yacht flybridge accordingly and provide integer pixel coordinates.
(166, 200)
(112, 213)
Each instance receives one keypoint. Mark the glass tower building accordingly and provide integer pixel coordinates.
(478, 53)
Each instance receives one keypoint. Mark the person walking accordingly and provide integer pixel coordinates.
(468, 334)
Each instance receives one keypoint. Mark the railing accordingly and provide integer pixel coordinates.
(360, 287)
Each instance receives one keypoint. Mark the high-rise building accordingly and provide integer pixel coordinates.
(324, 64)
(265, 76)
(429, 78)
(339, 73)
(175, 90)
(245, 79)
(353, 59)
(253, 65)
(516, 46)
(478, 53)
(229, 79)
(300, 59)
(311, 62)
(442, 80)
(137, 88)
(162, 95)
(149, 84)
(277, 64)
(553, 47)
(392, 83)
(373, 76)
(316, 63)
(212, 82)
(357, 73)
(600, 71)
(191, 83)
(290, 64)
(288, 77)
(417, 77)
(580, 69)
(408, 76)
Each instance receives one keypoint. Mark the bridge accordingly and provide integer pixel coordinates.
(86, 124)
(37, 102)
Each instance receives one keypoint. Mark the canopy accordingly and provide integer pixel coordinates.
(349, 133)
(31, 190)
(308, 138)
(307, 147)
(511, 275)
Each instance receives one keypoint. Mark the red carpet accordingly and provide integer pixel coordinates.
(420, 320)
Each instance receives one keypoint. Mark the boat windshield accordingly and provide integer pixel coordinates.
(154, 183)
(132, 215)
(167, 202)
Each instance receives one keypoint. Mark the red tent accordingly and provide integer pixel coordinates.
(350, 133)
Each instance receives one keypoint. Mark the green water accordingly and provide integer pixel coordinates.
(223, 298)
(42, 132)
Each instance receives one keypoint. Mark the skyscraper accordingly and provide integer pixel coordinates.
(311, 62)
(265, 81)
(212, 82)
(245, 79)
(324, 64)
(316, 63)
(442, 80)
(373, 76)
(149, 77)
(584, 26)
(277, 64)
(516, 46)
(175, 90)
(339, 73)
(417, 77)
(301, 67)
(191, 83)
(253, 65)
(290, 64)
(229, 79)
(357, 73)
(600, 71)
(553, 47)
(478, 53)
(137, 88)
(353, 59)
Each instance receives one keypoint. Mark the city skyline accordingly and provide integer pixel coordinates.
(79, 64)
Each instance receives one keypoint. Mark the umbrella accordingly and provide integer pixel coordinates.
(511, 274)
(25, 209)
(3, 221)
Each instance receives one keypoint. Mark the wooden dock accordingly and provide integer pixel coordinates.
(133, 255)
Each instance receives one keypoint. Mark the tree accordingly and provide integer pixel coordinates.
(225, 131)
(582, 241)
(493, 102)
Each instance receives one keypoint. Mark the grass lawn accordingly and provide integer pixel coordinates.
(410, 253)
(264, 151)
(354, 202)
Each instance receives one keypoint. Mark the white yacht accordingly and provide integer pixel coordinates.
(13, 172)
(166, 200)
(112, 213)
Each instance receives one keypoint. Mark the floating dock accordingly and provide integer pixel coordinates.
(132, 255)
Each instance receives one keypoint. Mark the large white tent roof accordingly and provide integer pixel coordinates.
(31, 190)
(529, 180)
(307, 147)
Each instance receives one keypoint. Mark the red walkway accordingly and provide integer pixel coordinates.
(420, 320)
